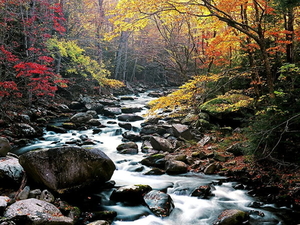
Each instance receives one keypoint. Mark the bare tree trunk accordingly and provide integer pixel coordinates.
(289, 26)
(99, 31)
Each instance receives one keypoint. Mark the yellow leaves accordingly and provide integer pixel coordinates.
(112, 83)
(185, 96)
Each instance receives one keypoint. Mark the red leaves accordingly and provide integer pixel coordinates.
(7, 88)
(6, 55)
(41, 78)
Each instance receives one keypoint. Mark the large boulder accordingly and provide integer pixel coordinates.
(11, 172)
(67, 169)
(4, 146)
(160, 203)
(36, 212)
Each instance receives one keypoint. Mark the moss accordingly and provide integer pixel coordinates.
(226, 103)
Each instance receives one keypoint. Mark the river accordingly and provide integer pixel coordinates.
(188, 210)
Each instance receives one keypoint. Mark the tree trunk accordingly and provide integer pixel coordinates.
(289, 26)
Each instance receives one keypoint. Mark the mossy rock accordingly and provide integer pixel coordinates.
(226, 103)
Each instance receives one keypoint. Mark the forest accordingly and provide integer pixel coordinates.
(225, 56)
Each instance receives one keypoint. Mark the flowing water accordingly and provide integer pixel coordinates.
(188, 210)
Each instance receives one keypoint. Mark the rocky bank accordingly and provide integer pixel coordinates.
(39, 182)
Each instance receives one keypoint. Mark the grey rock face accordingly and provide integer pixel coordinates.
(67, 168)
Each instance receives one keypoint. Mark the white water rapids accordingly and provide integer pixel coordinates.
(188, 210)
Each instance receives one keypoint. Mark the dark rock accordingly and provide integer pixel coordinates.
(111, 111)
(129, 109)
(182, 131)
(94, 122)
(126, 126)
(203, 191)
(155, 171)
(5, 146)
(155, 160)
(127, 145)
(146, 147)
(163, 144)
(81, 118)
(131, 136)
(56, 129)
(11, 172)
(160, 203)
(235, 149)
(130, 151)
(131, 194)
(130, 117)
(67, 169)
(108, 102)
(211, 168)
(131, 98)
(76, 105)
(25, 130)
(176, 167)
(232, 217)
(152, 129)
(36, 211)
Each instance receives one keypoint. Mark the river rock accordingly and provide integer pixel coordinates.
(111, 111)
(127, 145)
(131, 193)
(35, 211)
(131, 136)
(81, 118)
(182, 131)
(25, 130)
(159, 143)
(56, 129)
(126, 126)
(99, 222)
(5, 146)
(146, 147)
(232, 217)
(211, 168)
(176, 167)
(130, 109)
(76, 105)
(152, 129)
(203, 191)
(96, 106)
(11, 172)
(160, 203)
(67, 169)
(128, 148)
(155, 160)
(130, 117)
(94, 122)
(131, 98)
(108, 102)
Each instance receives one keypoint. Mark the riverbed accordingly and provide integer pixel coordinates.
(188, 210)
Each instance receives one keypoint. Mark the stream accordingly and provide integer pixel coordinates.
(188, 210)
